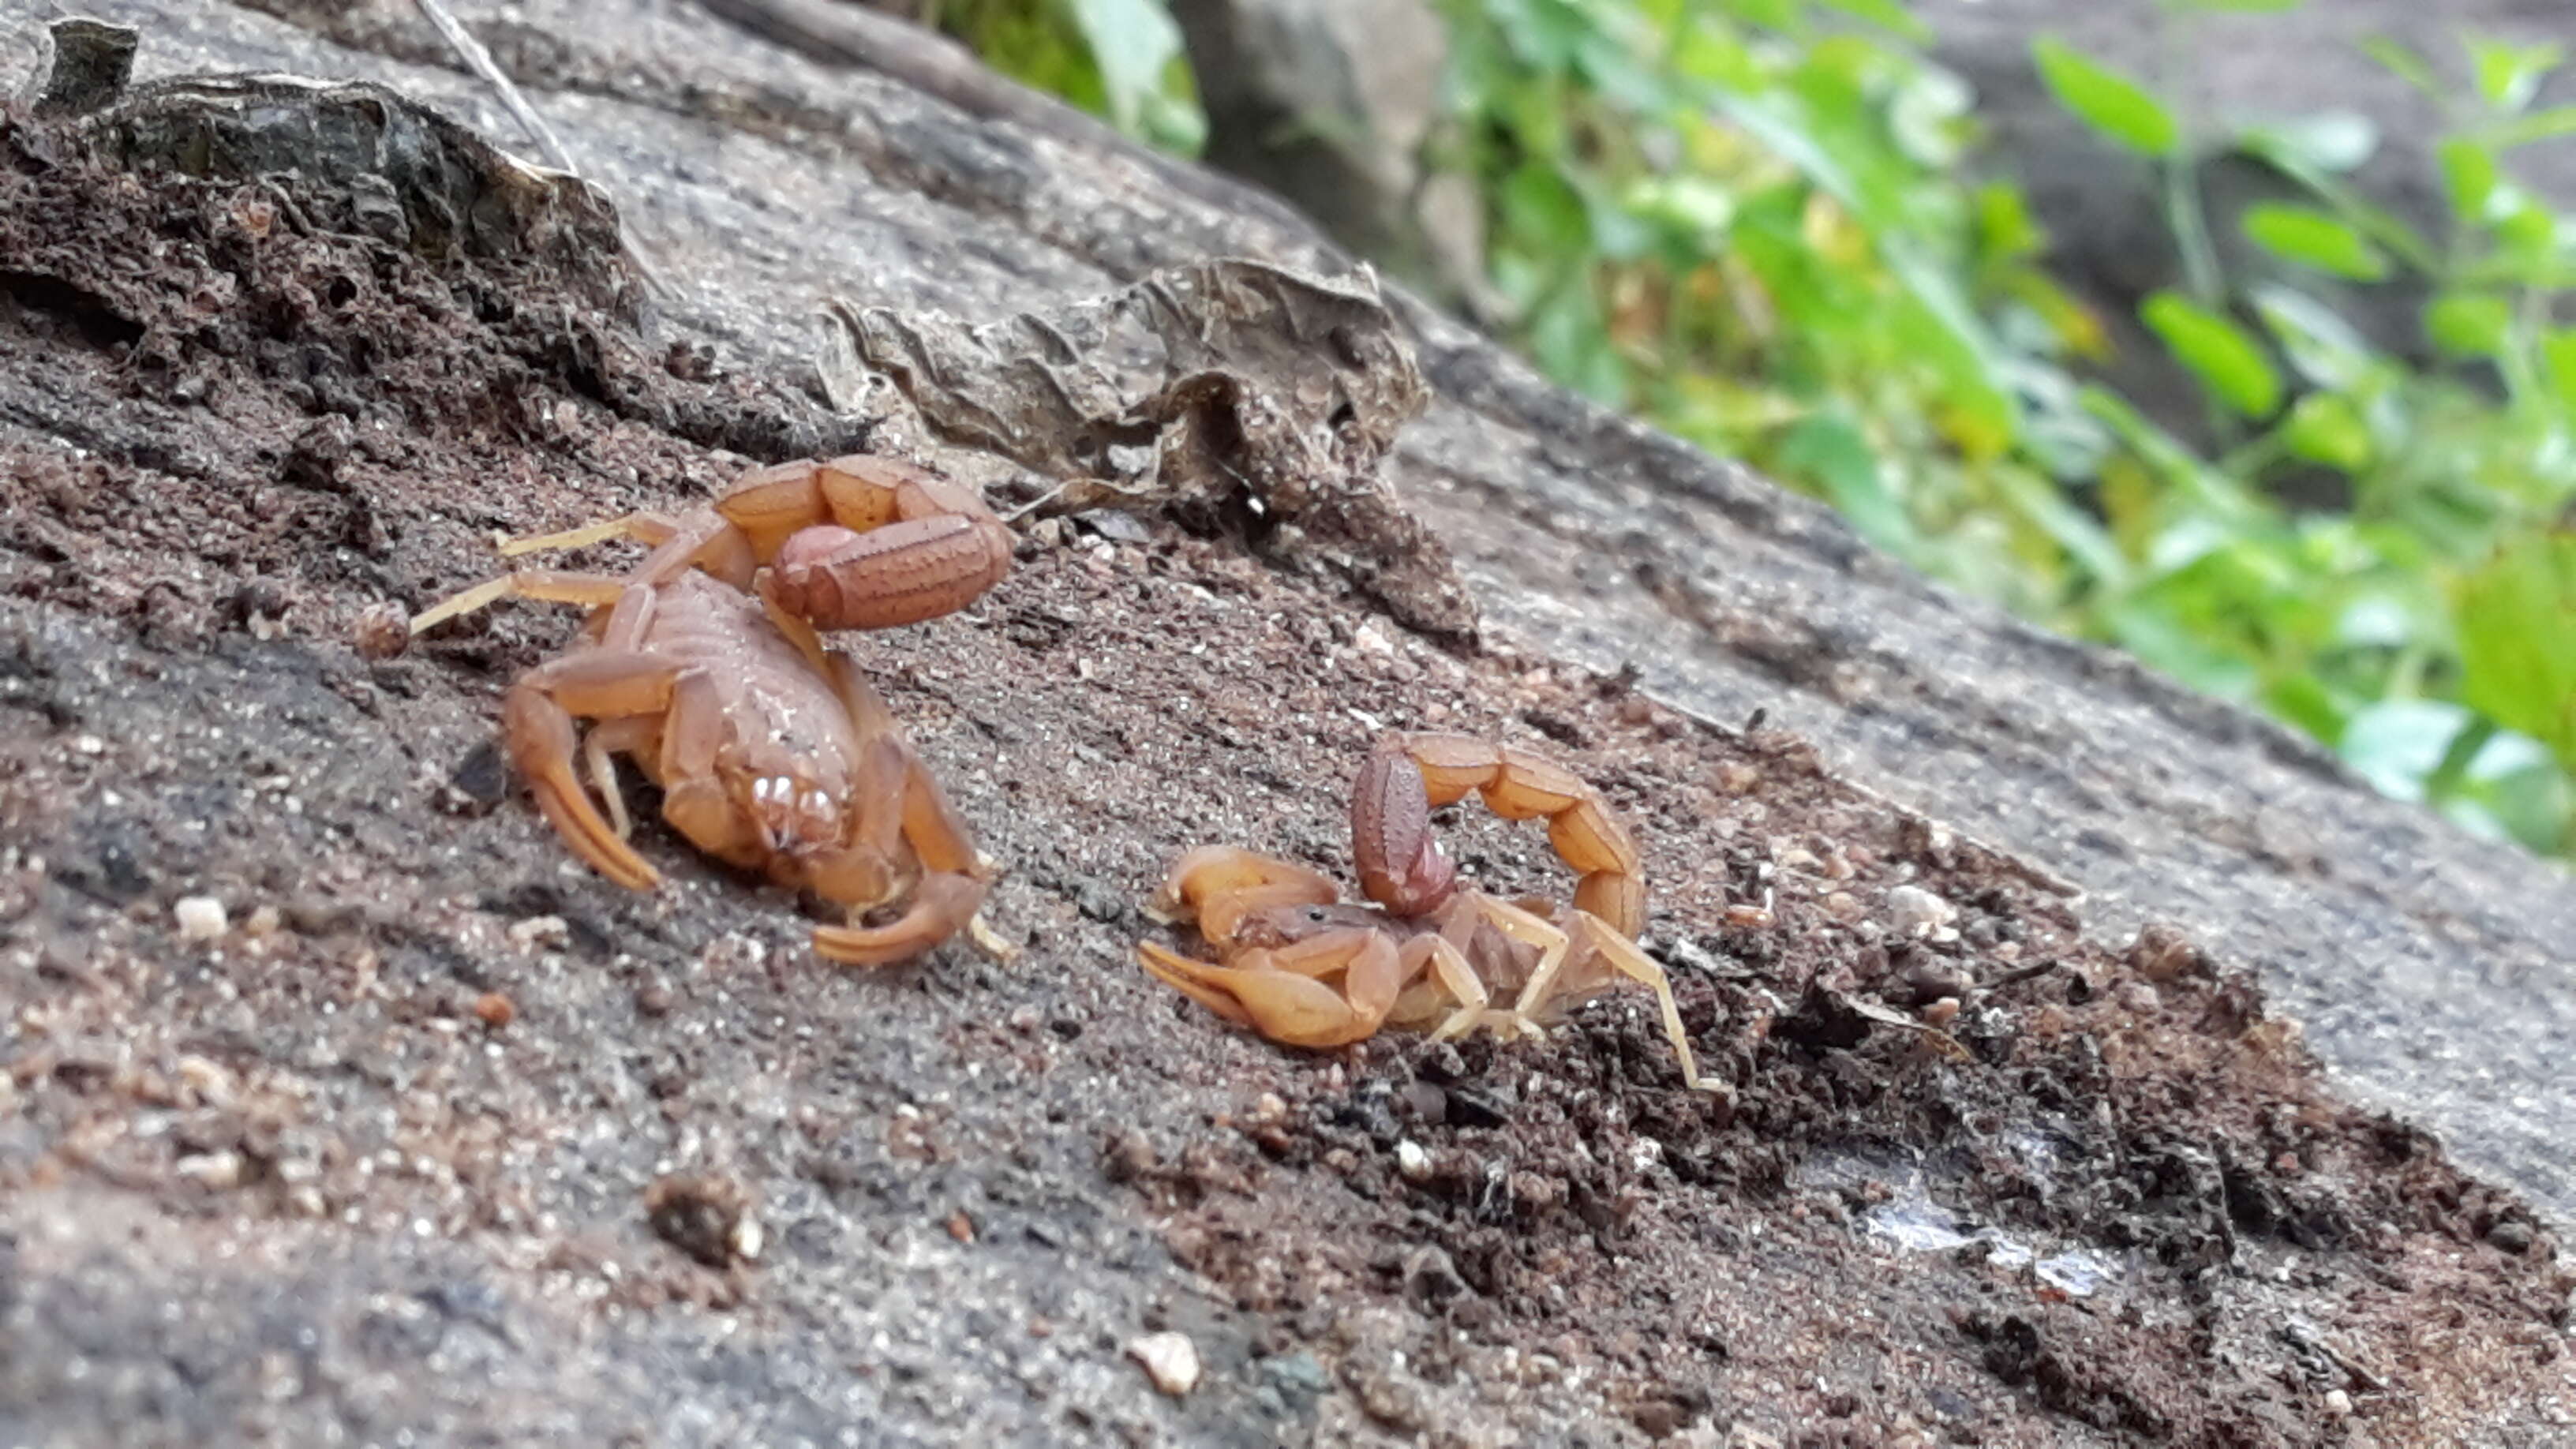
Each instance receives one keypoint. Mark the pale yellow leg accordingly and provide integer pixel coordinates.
(1463, 984)
(553, 586)
(1625, 957)
(609, 738)
(649, 529)
(1529, 930)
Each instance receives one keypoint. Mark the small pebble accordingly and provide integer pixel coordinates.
(2338, 1403)
(2513, 1235)
(536, 931)
(961, 1227)
(1914, 911)
(1169, 1359)
(2161, 953)
(264, 921)
(710, 1218)
(383, 631)
(201, 918)
(495, 1010)
(220, 1171)
(1412, 1161)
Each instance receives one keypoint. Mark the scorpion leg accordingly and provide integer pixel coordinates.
(537, 725)
(553, 586)
(649, 529)
(1530, 930)
(704, 540)
(1592, 934)
(632, 735)
(1449, 967)
(709, 543)
(868, 543)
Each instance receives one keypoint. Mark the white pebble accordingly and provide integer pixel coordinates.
(1412, 1161)
(201, 918)
(2338, 1403)
(1914, 911)
(1169, 1359)
(218, 1170)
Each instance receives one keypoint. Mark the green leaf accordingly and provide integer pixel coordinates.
(1542, 211)
(1887, 14)
(2070, 527)
(2333, 142)
(2517, 623)
(1926, 117)
(2227, 361)
(2473, 324)
(2206, 488)
(1935, 287)
(2325, 428)
(2375, 222)
(2314, 238)
(2469, 175)
(2546, 125)
(2396, 743)
(2106, 100)
(2508, 75)
(2558, 349)
(1134, 42)
(2402, 62)
(1829, 450)
(2327, 350)
(1691, 202)
(2004, 222)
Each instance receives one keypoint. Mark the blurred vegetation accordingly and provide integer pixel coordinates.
(1753, 222)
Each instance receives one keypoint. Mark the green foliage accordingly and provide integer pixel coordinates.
(1749, 220)
(1120, 59)
(2106, 100)
(2226, 359)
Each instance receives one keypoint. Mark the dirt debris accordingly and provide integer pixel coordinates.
(2123, 1209)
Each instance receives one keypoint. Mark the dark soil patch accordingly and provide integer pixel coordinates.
(235, 422)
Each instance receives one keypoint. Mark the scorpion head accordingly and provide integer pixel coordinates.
(795, 815)
(806, 832)
(1275, 926)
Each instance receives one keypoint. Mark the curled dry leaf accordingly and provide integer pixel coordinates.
(1229, 381)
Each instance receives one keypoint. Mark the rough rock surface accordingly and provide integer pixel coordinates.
(441, 1134)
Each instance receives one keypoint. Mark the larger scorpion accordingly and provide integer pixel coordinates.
(704, 666)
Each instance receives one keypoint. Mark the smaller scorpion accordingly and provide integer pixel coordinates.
(1304, 970)
(773, 753)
